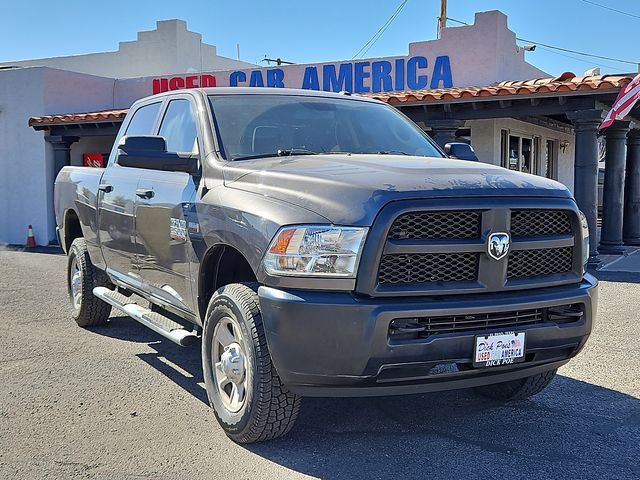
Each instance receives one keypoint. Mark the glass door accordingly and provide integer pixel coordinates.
(521, 154)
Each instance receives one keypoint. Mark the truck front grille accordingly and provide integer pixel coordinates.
(429, 267)
(531, 223)
(426, 250)
(535, 263)
(436, 225)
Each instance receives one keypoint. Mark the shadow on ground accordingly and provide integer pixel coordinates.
(571, 430)
(623, 277)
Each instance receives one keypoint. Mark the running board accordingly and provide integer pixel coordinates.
(153, 320)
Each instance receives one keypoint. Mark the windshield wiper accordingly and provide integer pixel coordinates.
(287, 152)
(391, 152)
(283, 152)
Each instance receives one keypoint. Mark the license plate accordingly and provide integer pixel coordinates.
(496, 349)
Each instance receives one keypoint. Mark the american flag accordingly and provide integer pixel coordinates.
(627, 98)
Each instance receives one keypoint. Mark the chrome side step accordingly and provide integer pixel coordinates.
(153, 320)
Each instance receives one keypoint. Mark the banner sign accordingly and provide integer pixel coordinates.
(384, 75)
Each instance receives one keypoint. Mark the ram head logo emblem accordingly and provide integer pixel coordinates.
(498, 245)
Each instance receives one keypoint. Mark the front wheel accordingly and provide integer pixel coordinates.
(517, 389)
(244, 390)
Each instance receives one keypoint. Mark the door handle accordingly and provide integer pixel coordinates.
(105, 187)
(145, 192)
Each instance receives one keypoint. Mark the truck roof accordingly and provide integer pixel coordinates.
(265, 91)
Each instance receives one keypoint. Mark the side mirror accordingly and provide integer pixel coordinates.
(150, 152)
(460, 151)
(143, 143)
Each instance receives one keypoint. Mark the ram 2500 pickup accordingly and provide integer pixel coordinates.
(320, 244)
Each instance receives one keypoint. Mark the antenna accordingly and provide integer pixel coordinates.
(278, 61)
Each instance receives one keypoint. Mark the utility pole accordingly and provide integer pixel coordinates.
(442, 19)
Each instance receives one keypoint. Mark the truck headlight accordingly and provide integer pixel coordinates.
(315, 251)
(584, 227)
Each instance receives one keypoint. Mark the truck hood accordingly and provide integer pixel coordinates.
(351, 189)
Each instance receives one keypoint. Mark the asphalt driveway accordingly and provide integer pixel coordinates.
(121, 402)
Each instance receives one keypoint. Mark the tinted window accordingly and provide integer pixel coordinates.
(143, 120)
(251, 125)
(179, 127)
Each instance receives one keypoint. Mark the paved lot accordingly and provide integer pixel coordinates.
(119, 402)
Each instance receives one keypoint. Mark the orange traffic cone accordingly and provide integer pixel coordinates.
(31, 240)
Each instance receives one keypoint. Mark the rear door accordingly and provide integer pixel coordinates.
(117, 201)
(165, 199)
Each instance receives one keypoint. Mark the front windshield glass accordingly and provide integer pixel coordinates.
(253, 126)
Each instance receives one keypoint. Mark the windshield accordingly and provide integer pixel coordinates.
(251, 126)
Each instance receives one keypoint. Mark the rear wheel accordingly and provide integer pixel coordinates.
(82, 278)
(517, 389)
(244, 390)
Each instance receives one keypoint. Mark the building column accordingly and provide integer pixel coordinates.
(585, 181)
(613, 194)
(444, 131)
(61, 151)
(631, 229)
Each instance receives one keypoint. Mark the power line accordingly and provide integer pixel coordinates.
(588, 62)
(584, 54)
(606, 7)
(365, 48)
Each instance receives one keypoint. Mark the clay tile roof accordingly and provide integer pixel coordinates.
(567, 82)
(89, 117)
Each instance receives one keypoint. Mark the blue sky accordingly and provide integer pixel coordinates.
(303, 32)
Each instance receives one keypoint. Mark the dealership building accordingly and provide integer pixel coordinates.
(473, 84)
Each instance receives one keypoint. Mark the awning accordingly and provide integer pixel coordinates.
(104, 116)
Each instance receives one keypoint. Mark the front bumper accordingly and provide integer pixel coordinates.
(337, 344)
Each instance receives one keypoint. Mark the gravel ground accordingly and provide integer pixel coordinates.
(120, 402)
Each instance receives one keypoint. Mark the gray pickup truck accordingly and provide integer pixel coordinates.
(321, 244)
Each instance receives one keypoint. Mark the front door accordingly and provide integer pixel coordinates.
(164, 199)
(117, 202)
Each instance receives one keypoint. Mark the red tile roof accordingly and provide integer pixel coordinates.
(567, 82)
(90, 117)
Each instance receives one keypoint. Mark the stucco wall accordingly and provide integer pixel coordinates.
(170, 48)
(479, 54)
(486, 141)
(26, 160)
(26, 165)
(484, 52)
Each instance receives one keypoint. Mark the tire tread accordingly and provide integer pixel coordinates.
(518, 389)
(276, 407)
(93, 311)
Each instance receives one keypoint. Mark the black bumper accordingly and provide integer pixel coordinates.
(337, 344)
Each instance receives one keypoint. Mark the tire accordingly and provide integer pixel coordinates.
(88, 310)
(260, 408)
(517, 389)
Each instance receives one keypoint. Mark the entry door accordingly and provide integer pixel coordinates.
(117, 220)
(522, 154)
(117, 202)
(162, 231)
